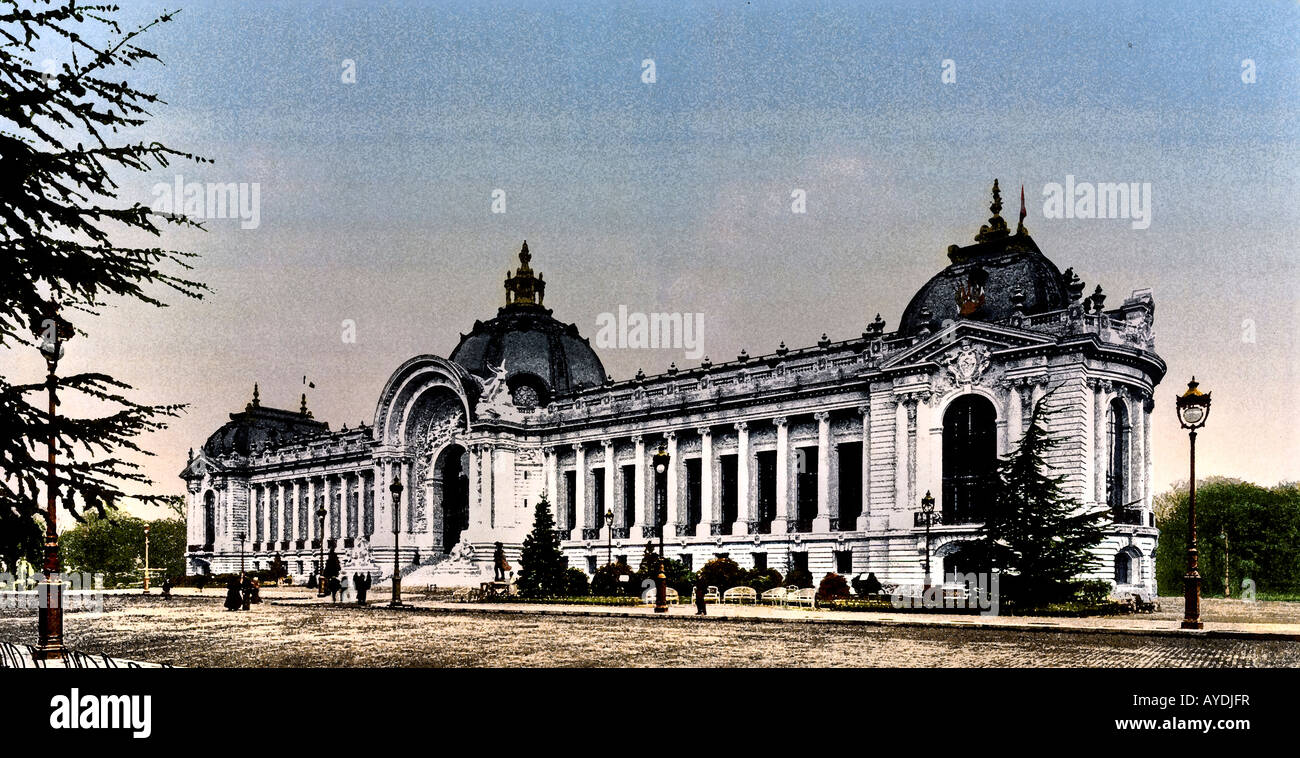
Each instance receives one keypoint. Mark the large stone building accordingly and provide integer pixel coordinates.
(815, 457)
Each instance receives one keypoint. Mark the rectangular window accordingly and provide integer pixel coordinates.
(799, 560)
(850, 481)
(620, 559)
(844, 562)
(598, 496)
(807, 487)
(591, 565)
(766, 490)
(694, 507)
(570, 501)
(685, 558)
(629, 495)
(730, 493)
(760, 561)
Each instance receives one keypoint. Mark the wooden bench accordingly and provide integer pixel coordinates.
(740, 594)
(711, 595)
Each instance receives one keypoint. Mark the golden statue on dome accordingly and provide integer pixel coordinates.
(523, 288)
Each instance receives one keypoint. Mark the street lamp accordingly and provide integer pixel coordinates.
(241, 536)
(927, 514)
(146, 559)
(396, 490)
(661, 460)
(51, 331)
(320, 539)
(1193, 409)
(609, 537)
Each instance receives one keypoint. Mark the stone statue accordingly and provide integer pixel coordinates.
(462, 553)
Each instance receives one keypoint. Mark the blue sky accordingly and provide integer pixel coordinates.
(674, 196)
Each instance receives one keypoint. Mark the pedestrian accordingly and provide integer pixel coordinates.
(257, 591)
(246, 591)
(233, 601)
(167, 588)
(362, 583)
(499, 563)
(201, 580)
(700, 608)
(334, 587)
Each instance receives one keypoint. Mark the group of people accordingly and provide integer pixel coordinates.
(241, 594)
(338, 588)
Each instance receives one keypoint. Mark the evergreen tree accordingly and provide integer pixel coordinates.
(542, 573)
(64, 154)
(1038, 536)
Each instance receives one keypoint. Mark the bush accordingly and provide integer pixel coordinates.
(833, 587)
(797, 577)
(722, 573)
(761, 580)
(606, 583)
(1092, 591)
(868, 587)
(575, 583)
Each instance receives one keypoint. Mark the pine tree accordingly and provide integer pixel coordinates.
(64, 156)
(542, 572)
(1036, 534)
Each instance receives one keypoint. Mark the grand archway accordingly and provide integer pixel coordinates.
(451, 493)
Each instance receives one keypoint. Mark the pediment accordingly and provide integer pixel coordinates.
(957, 344)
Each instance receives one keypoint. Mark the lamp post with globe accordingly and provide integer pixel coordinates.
(1193, 409)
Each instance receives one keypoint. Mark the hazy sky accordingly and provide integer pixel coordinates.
(675, 196)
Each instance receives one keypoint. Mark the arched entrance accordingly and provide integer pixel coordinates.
(970, 457)
(451, 493)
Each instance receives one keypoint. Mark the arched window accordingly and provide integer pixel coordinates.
(1117, 445)
(1127, 567)
(970, 456)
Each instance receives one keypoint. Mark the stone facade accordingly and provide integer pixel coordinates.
(817, 457)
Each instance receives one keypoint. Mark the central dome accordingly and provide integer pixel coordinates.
(542, 355)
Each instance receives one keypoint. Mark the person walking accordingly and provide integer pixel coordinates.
(334, 586)
(167, 588)
(499, 563)
(257, 591)
(701, 609)
(246, 592)
(233, 601)
(362, 583)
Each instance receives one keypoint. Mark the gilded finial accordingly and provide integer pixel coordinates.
(997, 226)
(302, 408)
(522, 288)
(257, 402)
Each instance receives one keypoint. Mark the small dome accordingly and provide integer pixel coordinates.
(542, 355)
(988, 280)
(256, 427)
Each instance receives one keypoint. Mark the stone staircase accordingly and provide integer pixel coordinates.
(436, 573)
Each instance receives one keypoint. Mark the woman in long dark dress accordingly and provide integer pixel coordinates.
(234, 601)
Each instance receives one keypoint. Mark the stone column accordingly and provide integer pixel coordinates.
(674, 507)
(900, 453)
(1015, 425)
(638, 482)
(608, 505)
(822, 521)
(1100, 418)
(549, 480)
(383, 509)
(489, 504)
(744, 507)
(708, 503)
(864, 521)
(1137, 465)
(783, 516)
(579, 490)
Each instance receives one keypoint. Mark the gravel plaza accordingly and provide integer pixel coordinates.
(293, 628)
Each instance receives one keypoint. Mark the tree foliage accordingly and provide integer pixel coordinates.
(1262, 525)
(113, 545)
(1036, 534)
(542, 571)
(62, 153)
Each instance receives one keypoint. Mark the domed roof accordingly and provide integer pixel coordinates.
(538, 351)
(990, 280)
(256, 426)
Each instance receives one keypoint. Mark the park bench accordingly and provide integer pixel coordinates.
(806, 596)
(670, 596)
(775, 596)
(740, 594)
(711, 595)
